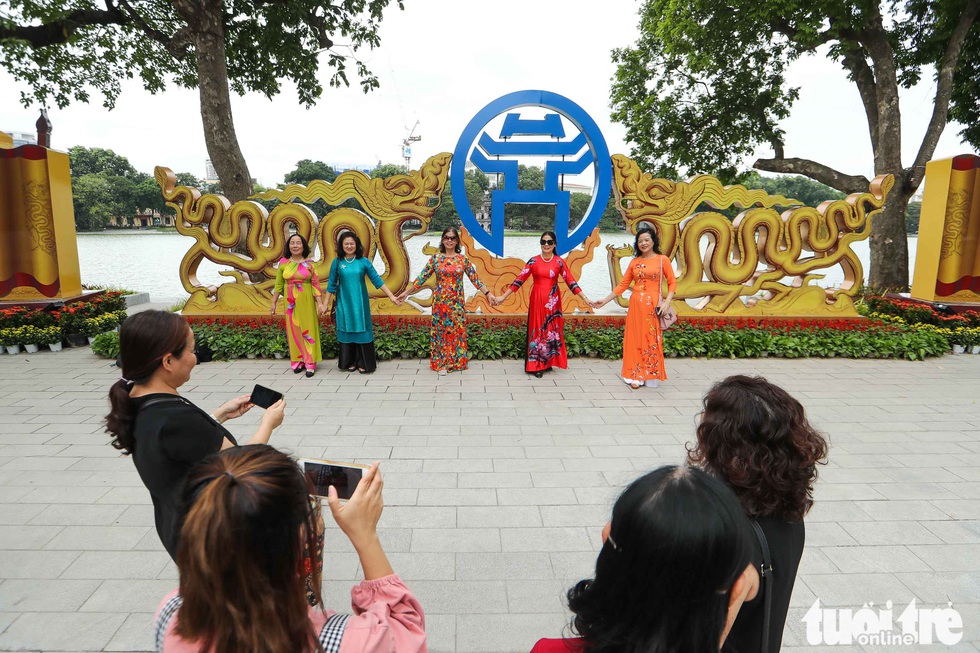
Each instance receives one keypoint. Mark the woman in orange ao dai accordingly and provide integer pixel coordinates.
(643, 354)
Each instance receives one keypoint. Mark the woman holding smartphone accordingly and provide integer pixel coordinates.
(165, 433)
(643, 354)
(234, 597)
(545, 346)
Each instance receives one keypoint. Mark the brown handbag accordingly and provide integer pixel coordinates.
(667, 315)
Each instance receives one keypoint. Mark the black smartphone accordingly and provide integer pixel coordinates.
(263, 396)
(324, 473)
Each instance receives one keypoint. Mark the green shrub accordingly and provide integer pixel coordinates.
(106, 344)
(489, 340)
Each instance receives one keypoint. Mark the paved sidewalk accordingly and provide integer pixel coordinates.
(497, 485)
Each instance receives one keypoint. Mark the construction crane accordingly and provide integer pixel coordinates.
(407, 145)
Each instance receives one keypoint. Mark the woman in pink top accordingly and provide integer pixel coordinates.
(245, 535)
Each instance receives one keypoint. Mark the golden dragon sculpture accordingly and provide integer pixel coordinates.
(223, 231)
(767, 257)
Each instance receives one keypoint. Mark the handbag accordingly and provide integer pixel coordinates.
(765, 581)
(667, 315)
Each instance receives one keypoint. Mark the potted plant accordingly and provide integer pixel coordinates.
(960, 340)
(10, 339)
(31, 338)
(51, 336)
(71, 320)
(280, 345)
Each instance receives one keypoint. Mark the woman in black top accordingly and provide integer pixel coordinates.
(756, 437)
(165, 433)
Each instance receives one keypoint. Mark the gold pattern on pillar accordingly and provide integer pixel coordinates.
(38, 251)
(947, 259)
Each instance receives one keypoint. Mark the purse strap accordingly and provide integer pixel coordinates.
(765, 575)
(660, 284)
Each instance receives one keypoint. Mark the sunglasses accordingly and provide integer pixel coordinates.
(547, 242)
(450, 238)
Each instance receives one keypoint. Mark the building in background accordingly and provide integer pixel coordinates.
(210, 174)
(22, 138)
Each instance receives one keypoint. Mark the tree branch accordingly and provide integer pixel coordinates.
(874, 38)
(864, 79)
(59, 31)
(817, 171)
(944, 90)
(176, 47)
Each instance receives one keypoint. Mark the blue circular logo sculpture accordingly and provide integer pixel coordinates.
(498, 155)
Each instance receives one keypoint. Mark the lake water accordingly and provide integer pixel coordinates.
(148, 261)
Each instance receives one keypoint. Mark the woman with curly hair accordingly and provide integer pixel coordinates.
(755, 436)
(674, 568)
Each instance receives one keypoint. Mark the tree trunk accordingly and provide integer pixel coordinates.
(890, 245)
(219, 126)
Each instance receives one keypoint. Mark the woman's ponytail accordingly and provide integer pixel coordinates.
(144, 340)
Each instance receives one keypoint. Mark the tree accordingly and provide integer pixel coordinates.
(445, 215)
(704, 86)
(477, 185)
(804, 189)
(95, 160)
(189, 180)
(62, 50)
(528, 217)
(149, 197)
(306, 171)
(96, 202)
(385, 170)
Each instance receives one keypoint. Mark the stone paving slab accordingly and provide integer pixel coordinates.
(497, 485)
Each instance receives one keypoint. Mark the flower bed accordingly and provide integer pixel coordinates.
(91, 317)
(492, 337)
(957, 329)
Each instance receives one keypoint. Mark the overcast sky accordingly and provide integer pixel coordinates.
(439, 63)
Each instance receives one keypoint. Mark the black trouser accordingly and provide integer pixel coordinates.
(359, 355)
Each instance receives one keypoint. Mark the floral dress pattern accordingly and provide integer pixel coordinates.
(643, 354)
(448, 331)
(300, 286)
(545, 322)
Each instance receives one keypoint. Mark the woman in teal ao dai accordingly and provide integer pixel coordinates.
(355, 333)
(296, 279)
